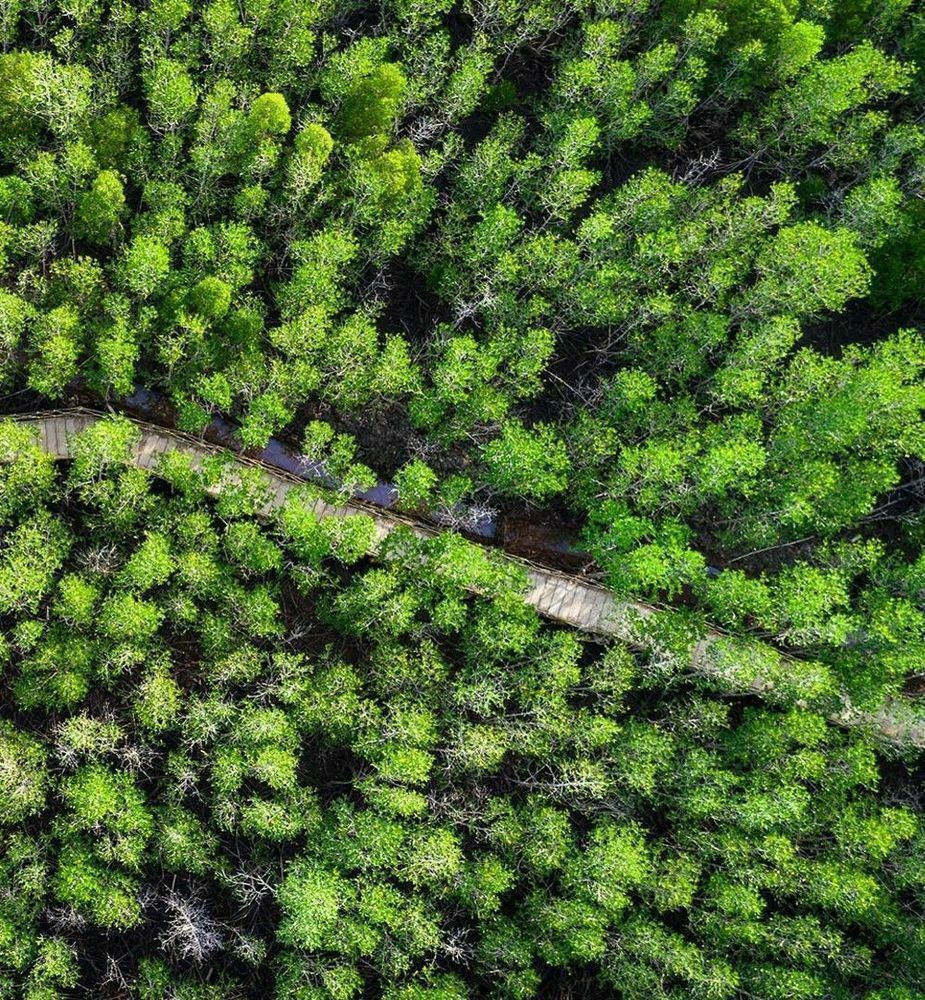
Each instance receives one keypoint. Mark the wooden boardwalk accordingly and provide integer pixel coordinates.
(570, 600)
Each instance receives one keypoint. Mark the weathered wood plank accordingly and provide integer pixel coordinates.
(570, 600)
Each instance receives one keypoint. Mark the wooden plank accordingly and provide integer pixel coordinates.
(160, 445)
(144, 452)
(71, 426)
(56, 437)
(44, 435)
(555, 599)
(603, 623)
(569, 610)
(568, 599)
(281, 491)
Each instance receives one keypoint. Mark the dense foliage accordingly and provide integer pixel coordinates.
(237, 760)
(584, 253)
(654, 268)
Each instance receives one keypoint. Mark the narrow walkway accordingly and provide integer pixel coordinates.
(743, 666)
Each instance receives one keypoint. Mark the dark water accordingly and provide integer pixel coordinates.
(516, 535)
(155, 408)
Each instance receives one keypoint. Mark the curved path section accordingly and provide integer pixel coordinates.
(744, 666)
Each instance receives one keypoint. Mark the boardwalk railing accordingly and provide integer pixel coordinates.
(741, 666)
